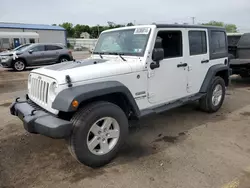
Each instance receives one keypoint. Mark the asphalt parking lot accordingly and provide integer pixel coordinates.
(182, 148)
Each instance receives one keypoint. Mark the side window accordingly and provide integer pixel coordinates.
(218, 42)
(52, 47)
(38, 48)
(197, 42)
(171, 43)
(32, 40)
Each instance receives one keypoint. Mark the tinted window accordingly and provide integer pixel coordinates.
(233, 40)
(171, 42)
(32, 40)
(197, 42)
(38, 48)
(52, 47)
(218, 42)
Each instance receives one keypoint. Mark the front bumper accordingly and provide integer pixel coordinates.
(40, 122)
(5, 64)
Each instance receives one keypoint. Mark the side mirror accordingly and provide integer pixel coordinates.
(30, 51)
(158, 55)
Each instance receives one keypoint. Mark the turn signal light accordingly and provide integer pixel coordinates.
(75, 103)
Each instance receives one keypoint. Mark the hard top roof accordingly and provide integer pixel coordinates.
(187, 26)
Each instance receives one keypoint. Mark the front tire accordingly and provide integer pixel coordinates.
(99, 130)
(214, 98)
(19, 65)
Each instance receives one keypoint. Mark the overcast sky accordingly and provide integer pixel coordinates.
(94, 12)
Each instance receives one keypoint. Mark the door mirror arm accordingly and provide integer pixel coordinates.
(158, 55)
(155, 65)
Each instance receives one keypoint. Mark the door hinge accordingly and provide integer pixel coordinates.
(150, 95)
(189, 68)
(188, 88)
(151, 74)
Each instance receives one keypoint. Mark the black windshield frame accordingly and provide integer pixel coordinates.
(97, 49)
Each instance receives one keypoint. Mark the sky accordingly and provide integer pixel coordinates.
(93, 12)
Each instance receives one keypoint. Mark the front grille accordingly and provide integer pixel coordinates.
(34, 105)
(39, 90)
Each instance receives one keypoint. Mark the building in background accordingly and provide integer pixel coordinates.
(12, 34)
(84, 44)
(85, 35)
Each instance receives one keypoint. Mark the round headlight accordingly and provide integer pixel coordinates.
(53, 90)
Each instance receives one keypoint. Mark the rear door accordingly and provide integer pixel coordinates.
(198, 59)
(52, 53)
(35, 56)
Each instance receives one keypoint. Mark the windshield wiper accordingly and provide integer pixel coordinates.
(120, 55)
(99, 53)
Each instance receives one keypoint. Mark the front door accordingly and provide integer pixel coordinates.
(169, 82)
(198, 59)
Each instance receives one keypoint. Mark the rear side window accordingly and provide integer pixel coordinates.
(38, 48)
(197, 42)
(218, 42)
(52, 47)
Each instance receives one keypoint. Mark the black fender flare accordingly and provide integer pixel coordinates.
(63, 101)
(212, 71)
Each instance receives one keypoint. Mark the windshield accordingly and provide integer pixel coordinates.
(123, 42)
(20, 48)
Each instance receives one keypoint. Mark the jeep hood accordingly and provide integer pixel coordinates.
(86, 69)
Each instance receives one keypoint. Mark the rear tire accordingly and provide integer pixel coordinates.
(214, 98)
(63, 59)
(19, 65)
(89, 142)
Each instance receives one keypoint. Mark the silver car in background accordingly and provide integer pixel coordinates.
(37, 54)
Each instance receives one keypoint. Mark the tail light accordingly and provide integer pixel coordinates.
(70, 52)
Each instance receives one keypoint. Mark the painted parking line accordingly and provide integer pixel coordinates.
(233, 184)
(3, 102)
(242, 181)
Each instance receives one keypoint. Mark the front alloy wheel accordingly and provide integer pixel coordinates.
(103, 136)
(19, 65)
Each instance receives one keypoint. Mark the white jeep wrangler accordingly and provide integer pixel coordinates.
(133, 72)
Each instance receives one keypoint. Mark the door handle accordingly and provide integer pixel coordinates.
(205, 61)
(182, 65)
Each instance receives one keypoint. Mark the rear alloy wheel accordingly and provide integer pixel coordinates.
(19, 65)
(99, 130)
(63, 59)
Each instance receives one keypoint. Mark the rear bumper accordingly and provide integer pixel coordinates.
(39, 121)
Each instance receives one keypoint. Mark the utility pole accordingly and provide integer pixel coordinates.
(193, 20)
(98, 30)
